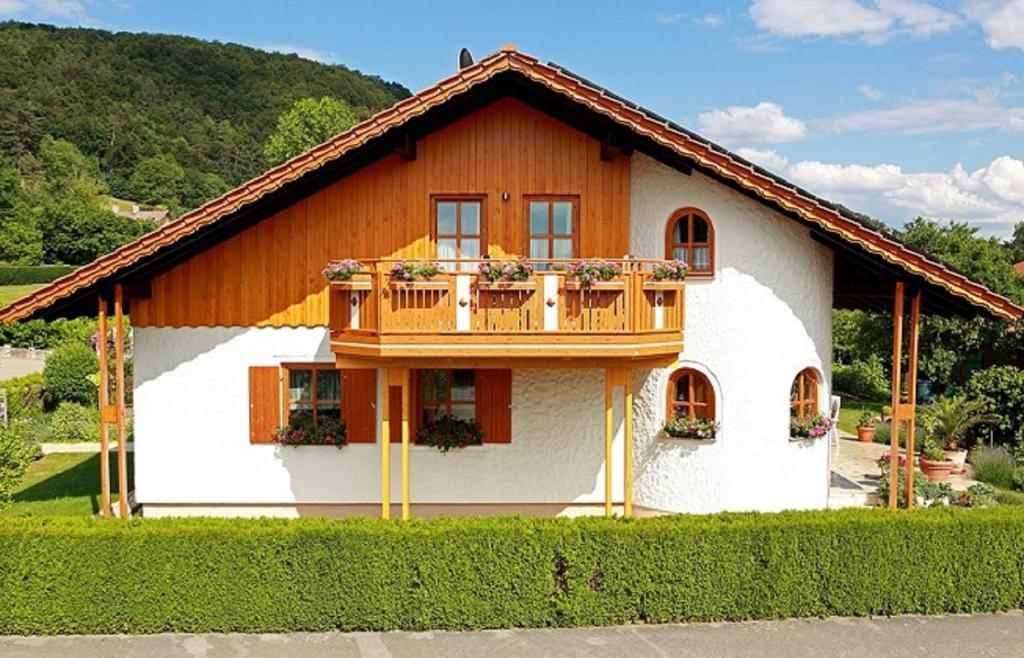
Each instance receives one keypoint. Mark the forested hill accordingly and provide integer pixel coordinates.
(122, 98)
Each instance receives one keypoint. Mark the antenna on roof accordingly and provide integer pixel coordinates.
(465, 59)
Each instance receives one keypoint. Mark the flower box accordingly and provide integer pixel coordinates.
(665, 284)
(613, 285)
(421, 284)
(357, 282)
(501, 286)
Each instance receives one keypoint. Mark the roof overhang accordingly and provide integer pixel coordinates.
(867, 261)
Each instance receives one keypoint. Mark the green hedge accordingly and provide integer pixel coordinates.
(16, 275)
(147, 576)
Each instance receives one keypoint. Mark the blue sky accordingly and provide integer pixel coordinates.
(894, 107)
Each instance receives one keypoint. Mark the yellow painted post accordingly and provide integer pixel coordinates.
(897, 366)
(627, 456)
(385, 447)
(104, 409)
(608, 435)
(405, 443)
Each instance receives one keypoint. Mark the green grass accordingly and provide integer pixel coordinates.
(852, 409)
(64, 484)
(9, 293)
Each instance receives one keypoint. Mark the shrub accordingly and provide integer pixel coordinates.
(276, 575)
(1001, 389)
(46, 335)
(993, 465)
(15, 454)
(861, 379)
(17, 275)
(1017, 478)
(72, 422)
(67, 373)
(24, 396)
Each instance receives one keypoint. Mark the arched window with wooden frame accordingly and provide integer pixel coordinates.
(690, 395)
(803, 396)
(690, 237)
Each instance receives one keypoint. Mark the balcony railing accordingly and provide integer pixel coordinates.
(458, 313)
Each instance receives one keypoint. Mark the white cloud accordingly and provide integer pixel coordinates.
(870, 93)
(68, 9)
(1002, 21)
(303, 52)
(982, 111)
(12, 6)
(992, 195)
(767, 158)
(764, 122)
(669, 19)
(711, 20)
(872, 23)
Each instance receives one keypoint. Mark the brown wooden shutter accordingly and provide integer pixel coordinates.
(264, 403)
(494, 404)
(359, 404)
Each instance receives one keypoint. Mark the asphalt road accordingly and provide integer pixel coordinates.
(973, 635)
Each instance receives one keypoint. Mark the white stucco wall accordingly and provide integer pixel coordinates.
(763, 317)
(192, 433)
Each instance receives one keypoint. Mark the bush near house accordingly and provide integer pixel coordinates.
(862, 379)
(16, 452)
(25, 395)
(1001, 389)
(197, 575)
(45, 335)
(72, 422)
(16, 275)
(67, 374)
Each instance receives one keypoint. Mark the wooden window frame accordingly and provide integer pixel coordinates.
(690, 245)
(805, 384)
(286, 369)
(549, 236)
(459, 199)
(696, 377)
(448, 401)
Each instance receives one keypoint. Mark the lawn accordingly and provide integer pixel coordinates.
(9, 293)
(63, 484)
(852, 409)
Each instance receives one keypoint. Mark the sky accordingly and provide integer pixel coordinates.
(895, 108)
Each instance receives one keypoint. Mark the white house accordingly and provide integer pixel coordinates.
(237, 332)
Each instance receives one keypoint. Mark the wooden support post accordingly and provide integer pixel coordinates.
(405, 444)
(897, 364)
(609, 382)
(385, 447)
(104, 397)
(627, 449)
(122, 454)
(911, 419)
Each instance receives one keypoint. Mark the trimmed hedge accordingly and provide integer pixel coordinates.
(198, 575)
(16, 275)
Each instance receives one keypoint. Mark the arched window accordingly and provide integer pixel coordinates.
(803, 397)
(691, 238)
(690, 395)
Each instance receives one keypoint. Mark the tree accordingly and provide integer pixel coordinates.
(78, 230)
(66, 170)
(158, 181)
(20, 239)
(1016, 243)
(309, 122)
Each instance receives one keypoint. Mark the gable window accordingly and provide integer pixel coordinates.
(803, 396)
(448, 393)
(458, 224)
(553, 227)
(313, 393)
(691, 238)
(690, 395)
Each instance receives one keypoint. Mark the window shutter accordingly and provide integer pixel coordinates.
(264, 403)
(359, 404)
(494, 404)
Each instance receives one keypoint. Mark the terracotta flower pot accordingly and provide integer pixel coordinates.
(866, 434)
(959, 459)
(936, 471)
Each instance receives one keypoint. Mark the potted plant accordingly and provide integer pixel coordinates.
(698, 429)
(416, 274)
(506, 274)
(885, 462)
(948, 419)
(346, 274)
(328, 432)
(933, 462)
(594, 275)
(866, 427)
(668, 275)
(448, 433)
(814, 426)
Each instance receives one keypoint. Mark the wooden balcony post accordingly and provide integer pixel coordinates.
(627, 452)
(911, 419)
(609, 383)
(122, 455)
(104, 403)
(897, 364)
(385, 446)
(405, 443)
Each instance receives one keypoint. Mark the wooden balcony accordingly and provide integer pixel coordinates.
(457, 317)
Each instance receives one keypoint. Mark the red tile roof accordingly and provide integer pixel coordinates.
(705, 154)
